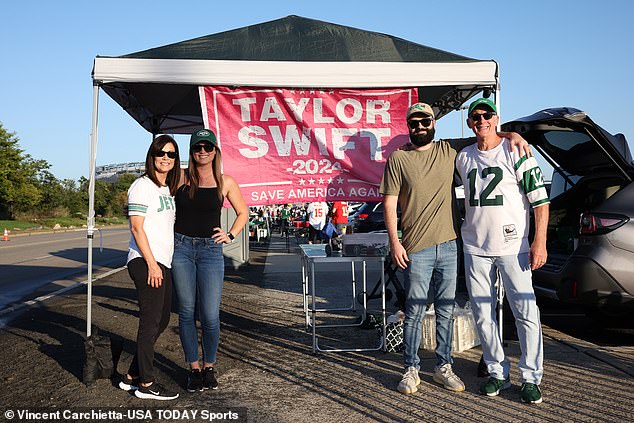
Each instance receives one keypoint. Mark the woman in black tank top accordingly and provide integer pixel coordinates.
(198, 263)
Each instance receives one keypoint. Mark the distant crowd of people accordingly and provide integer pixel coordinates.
(315, 214)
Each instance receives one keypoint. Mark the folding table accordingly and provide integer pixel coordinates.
(315, 254)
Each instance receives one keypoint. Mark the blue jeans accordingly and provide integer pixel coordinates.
(198, 270)
(435, 267)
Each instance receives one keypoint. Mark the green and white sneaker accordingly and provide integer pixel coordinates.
(531, 394)
(493, 386)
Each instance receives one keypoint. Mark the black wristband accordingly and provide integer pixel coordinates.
(231, 237)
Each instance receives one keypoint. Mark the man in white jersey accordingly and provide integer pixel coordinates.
(500, 189)
(317, 214)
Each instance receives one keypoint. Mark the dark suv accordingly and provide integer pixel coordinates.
(591, 226)
(369, 217)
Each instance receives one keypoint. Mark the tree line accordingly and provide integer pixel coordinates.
(28, 190)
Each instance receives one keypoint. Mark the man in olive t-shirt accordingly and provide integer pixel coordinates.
(420, 180)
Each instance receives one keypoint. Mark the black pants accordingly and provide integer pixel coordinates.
(154, 316)
(314, 235)
(283, 227)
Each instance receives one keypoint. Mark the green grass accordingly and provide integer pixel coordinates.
(17, 224)
(64, 222)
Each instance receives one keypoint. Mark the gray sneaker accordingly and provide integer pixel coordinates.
(443, 375)
(409, 382)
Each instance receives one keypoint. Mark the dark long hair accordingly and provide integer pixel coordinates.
(193, 178)
(174, 174)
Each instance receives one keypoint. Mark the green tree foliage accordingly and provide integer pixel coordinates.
(18, 176)
(29, 190)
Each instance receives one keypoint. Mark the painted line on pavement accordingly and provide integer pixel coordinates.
(21, 306)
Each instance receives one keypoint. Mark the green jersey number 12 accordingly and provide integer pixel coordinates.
(486, 192)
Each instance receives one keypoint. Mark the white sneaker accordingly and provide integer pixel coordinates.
(445, 376)
(409, 382)
(129, 384)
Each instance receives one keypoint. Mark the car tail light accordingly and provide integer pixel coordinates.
(362, 216)
(600, 223)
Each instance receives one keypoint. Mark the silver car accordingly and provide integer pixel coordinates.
(591, 227)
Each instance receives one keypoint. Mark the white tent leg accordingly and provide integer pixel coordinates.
(91, 201)
(500, 284)
(497, 102)
(500, 289)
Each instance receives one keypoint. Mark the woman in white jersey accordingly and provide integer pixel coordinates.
(152, 213)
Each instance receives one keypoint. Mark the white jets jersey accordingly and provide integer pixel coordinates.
(157, 206)
(499, 187)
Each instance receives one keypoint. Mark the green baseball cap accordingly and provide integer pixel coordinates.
(485, 102)
(203, 135)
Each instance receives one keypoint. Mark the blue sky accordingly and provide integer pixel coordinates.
(551, 53)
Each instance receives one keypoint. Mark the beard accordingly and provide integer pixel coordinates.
(423, 139)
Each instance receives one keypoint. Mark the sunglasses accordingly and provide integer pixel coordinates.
(170, 154)
(424, 121)
(199, 147)
(477, 116)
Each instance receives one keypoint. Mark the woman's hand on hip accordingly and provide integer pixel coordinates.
(220, 236)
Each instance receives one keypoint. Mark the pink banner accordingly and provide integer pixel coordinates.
(291, 146)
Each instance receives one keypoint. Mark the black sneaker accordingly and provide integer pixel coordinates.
(155, 392)
(194, 381)
(209, 378)
(128, 383)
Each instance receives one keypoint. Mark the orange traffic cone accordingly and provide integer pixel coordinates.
(6, 235)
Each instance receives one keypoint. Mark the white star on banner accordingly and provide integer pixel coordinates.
(340, 180)
(292, 91)
(311, 181)
(302, 181)
(321, 181)
(330, 180)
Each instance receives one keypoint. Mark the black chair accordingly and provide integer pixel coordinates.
(391, 277)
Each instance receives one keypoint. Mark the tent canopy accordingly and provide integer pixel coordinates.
(158, 87)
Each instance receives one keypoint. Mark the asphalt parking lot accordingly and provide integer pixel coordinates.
(266, 368)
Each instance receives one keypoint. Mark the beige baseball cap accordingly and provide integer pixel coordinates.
(420, 108)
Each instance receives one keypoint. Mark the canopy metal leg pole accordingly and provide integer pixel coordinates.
(91, 201)
(500, 284)
(500, 287)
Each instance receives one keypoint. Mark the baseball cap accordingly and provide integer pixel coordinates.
(420, 108)
(483, 102)
(203, 135)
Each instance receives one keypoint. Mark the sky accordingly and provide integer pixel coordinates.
(550, 53)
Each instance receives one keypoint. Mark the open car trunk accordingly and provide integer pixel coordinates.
(593, 170)
(587, 194)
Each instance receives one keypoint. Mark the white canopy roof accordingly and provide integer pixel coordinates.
(293, 74)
